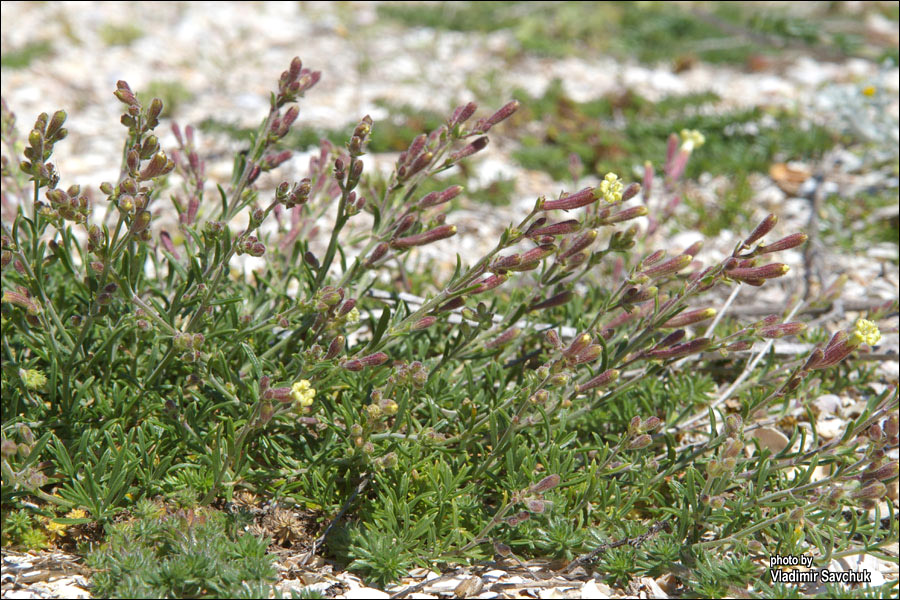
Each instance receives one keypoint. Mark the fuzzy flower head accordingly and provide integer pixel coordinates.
(691, 138)
(865, 331)
(303, 393)
(33, 379)
(353, 316)
(611, 188)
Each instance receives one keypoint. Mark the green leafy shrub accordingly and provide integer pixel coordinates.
(556, 392)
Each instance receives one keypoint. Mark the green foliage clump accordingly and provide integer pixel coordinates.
(716, 32)
(187, 554)
(20, 58)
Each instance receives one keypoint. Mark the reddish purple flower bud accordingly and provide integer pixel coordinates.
(781, 330)
(353, 365)
(420, 163)
(281, 394)
(166, 241)
(637, 294)
(141, 221)
(785, 243)
(490, 283)
(671, 148)
(346, 307)
(532, 258)
(289, 117)
(668, 267)
(518, 518)
(753, 274)
(642, 441)
(553, 301)
(627, 214)
(631, 191)
(690, 317)
(158, 165)
(536, 505)
(416, 147)
(476, 146)
(873, 491)
(377, 254)
(438, 198)
(505, 263)
(372, 360)
(651, 423)
(404, 224)
(546, 484)
(671, 339)
(882, 473)
(504, 113)
(335, 347)
(694, 248)
(432, 235)
(124, 94)
(814, 360)
(504, 338)
(734, 424)
(423, 323)
(590, 354)
(453, 304)
(22, 298)
(255, 170)
(572, 201)
(675, 168)
(578, 345)
(765, 226)
(271, 161)
(462, 114)
(680, 350)
(892, 426)
(602, 380)
(554, 340)
(578, 244)
(293, 71)
(738, 346)
(561, 228)
(654, 258)
(839, 348)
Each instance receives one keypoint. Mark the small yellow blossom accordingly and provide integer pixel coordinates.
(54, 529)
(76, 513)
(691, 138)
(33, 379)
(611, 188)
(866, 332)
(303, 393)
(869, 91)
(353, 316)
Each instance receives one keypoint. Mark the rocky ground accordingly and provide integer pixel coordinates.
(226, 57)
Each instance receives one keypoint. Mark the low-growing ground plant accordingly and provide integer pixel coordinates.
(568, 390)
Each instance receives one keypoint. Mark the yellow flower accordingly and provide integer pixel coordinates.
(55, 529)
(76, 513)
(303, 393)
(869, 91)
(866, 332)
(691, 138)
(353, 316)
(33, 378)
(611, 188)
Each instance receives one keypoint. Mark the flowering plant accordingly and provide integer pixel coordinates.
(560, 384)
